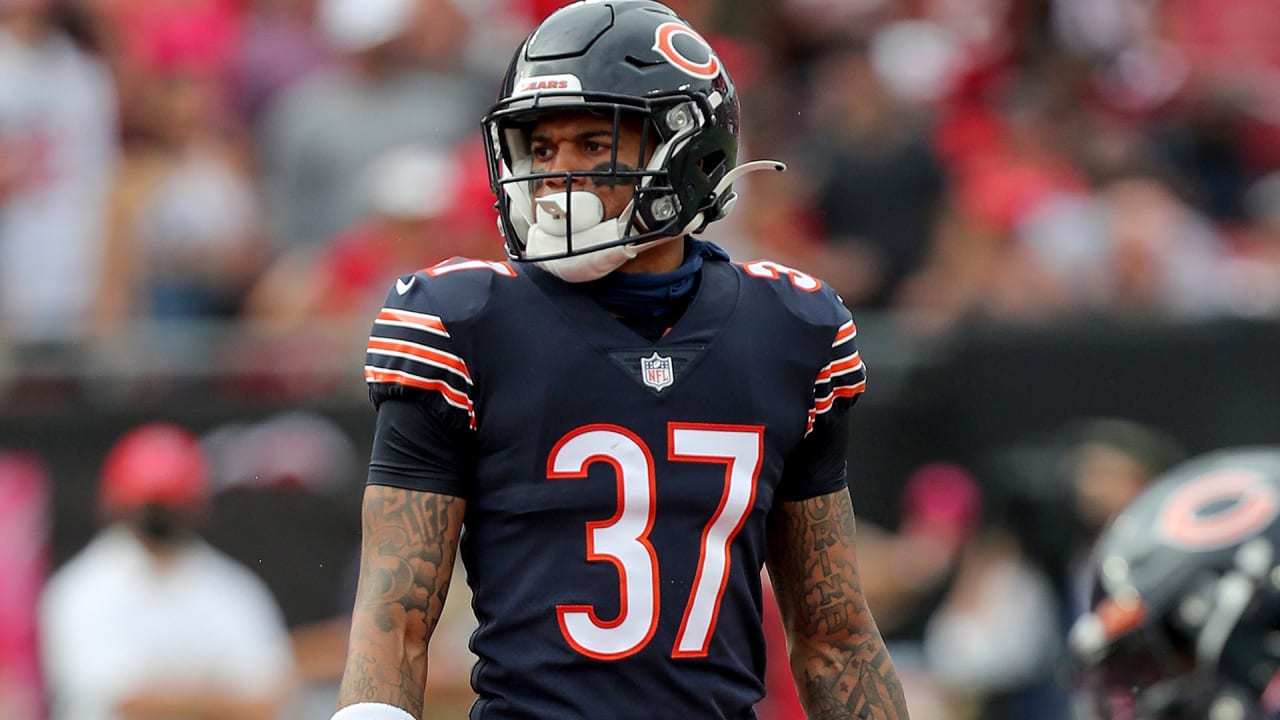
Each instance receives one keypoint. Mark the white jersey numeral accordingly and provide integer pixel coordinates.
(623, 539)
(456, 264)
(740, 449)
(771, 270)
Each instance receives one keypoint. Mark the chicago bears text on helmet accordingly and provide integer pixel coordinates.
(1185, 619)
(619, 59)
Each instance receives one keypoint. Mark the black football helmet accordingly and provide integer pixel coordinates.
(1185, 620)
(620, 59)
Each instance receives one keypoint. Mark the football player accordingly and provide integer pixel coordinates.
(619, 427)
(1185, 623)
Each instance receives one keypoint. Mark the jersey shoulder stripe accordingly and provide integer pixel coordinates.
(416, 352)
(395, 317)
(411, 346)
(842, 379)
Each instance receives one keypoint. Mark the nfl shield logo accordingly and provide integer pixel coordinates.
(656, 372)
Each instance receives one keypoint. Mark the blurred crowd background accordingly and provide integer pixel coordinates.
(1056, 221)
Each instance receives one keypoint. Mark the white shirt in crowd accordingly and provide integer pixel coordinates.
(113, 622)
(58, 142)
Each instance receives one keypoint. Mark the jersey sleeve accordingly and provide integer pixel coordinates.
(843, 379)
(412, 354)
(827, 339)
(818, 466)
(840, 377)
(415, 448)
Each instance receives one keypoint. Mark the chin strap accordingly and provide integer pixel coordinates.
(701, 221)
(745, 168)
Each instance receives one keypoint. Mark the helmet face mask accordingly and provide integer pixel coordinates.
(1148, 674)
(628, 60)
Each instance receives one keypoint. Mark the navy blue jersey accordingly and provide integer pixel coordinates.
(617, 488)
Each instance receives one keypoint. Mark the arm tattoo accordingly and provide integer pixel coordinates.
(408, 548)
(838, 658)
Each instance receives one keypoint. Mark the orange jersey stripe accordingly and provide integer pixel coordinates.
(840, 366)
(845, 332)
(824, 404)
(430, 323)
(450, 394)
(423, 353)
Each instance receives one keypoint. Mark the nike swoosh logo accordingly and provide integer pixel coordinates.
(402, 287)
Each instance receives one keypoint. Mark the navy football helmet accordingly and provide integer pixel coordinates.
(1185, 620)
(620, 59)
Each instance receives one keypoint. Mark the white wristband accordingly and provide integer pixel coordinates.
(372, 711)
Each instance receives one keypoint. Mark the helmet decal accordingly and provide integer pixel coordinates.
(547, 83)
(664, 38)
(1218, 510)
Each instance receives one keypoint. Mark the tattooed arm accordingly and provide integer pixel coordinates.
(409, 543)
(838, 658)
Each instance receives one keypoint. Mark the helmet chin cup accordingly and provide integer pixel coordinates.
(588, 267)
(554, 212)
(553, 234)
(598, 263)
(570, 224)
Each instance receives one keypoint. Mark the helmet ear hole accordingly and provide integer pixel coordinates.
(712, 162)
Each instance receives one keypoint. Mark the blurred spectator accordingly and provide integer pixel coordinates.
(57, 146)
(1057, 493)
(1060, 489)
(1048, 499)
(281, 44)
(289, 481)
(421, 206)
(907, 572)
(879, 186)
(1134, 249)
(1108, 462)
(24, 559)
(416, 212)
(1004, 161)
(1201, 143)
(973, 272)
(185, 237)
(397, 81)
(1254, 269)
(974, 660)
(996, 638)
(175, 628)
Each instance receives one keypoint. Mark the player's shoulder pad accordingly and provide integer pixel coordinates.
(804, 295)
(455, 290)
